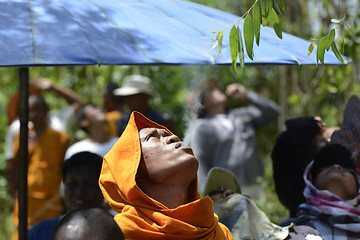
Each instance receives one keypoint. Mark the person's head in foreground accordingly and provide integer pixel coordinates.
(89, 224)
(332, 191)
(334, 170)
(150, 178)
(80, 177)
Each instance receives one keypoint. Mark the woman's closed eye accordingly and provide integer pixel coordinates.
(148, 137)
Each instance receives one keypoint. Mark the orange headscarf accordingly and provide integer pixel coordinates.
(140, 216)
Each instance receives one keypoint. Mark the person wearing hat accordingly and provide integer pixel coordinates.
(150, 178)
(240, 214)
(332, 195)
(137, 92)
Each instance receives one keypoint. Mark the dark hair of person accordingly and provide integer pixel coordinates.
(80, 115)
(39, 99)
(333, 154)
(206, 86)
(81, 159)
(109, 89)
(88, 223)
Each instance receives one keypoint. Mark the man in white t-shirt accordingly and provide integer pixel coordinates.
(93, 121)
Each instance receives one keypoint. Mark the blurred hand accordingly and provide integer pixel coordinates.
(237, 91)
(321, 124)
(42, 83)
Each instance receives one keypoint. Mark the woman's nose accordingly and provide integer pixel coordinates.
(172, 139)
(337, 166)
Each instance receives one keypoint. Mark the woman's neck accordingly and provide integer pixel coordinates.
(172, 195)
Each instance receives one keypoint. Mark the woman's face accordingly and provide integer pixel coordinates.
(337, 180)
(165, 156)
(214, 98)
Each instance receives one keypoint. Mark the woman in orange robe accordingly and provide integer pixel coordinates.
(150, 178)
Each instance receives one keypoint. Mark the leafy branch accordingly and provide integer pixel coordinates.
(327, 41)
(265, 12)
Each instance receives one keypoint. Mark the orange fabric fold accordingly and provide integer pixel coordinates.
(140, 216)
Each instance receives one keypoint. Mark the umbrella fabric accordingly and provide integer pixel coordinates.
(128, 32)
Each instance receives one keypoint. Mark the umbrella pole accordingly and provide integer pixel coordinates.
(23, 151)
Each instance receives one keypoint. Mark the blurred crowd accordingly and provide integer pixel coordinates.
(131, 177)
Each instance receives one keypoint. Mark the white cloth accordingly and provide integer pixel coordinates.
(87, 145)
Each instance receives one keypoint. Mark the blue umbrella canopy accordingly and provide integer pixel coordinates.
(128, 32)
(122, 32)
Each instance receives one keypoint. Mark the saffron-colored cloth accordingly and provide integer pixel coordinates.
(46, 157)
(140, 216)
(112, 118)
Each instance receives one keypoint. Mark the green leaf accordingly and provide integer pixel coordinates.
(277, 29)
(329, 39)
(264, 21)
(326, 4)
(234, 46)
(337, 21)
(282, 4)
(311, 48)
(249, 35)
(321, 50)
(277, 7)
(257, 21)
(273, 18)
(219, 39)
(241, 49)
(336, 52)
(266, 6)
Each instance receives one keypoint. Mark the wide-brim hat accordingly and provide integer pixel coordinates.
(221, 177)
(135, 84)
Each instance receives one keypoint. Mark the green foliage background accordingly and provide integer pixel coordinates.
(299, 90)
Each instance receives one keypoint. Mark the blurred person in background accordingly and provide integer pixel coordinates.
(60, 120)
(92, 120)
(114, 107)
(224, 137)
(294, 149)
(46, 151)
(137, 92)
